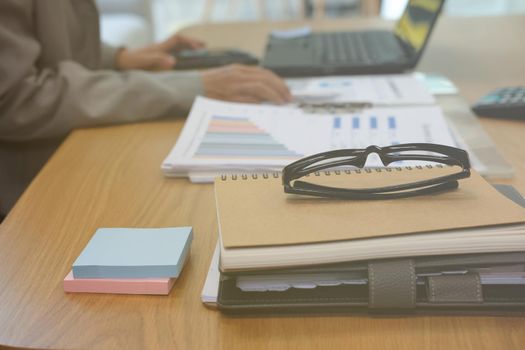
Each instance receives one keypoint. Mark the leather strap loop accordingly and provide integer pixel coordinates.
(455, 289)
(392, 284)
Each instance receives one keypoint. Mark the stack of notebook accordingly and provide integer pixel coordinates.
(130, 261)
(463, 248)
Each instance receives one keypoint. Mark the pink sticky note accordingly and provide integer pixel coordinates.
(158, 286)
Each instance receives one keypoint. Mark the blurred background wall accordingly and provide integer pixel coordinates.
(137, 22)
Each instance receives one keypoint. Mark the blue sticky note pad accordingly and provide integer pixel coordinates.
(134, 253)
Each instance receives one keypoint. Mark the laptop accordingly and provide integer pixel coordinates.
(356, 52)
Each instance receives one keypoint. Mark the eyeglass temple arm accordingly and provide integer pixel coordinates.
(303, 185)
(360, 161)
(322, 191)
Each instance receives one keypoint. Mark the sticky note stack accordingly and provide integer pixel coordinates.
(130, 261)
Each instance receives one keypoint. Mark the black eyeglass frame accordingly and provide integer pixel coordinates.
(357, 157)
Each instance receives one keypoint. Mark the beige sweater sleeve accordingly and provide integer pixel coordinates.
(46, 102)
(108, 55)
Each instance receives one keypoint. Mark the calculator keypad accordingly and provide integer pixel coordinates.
(502, 103)
(514, 95)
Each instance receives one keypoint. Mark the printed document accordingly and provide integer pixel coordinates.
(395, 89)
(233, 137)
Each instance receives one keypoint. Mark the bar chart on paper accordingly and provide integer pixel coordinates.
(360, 131)
(231, 136)
(224, 136)
(244, 137)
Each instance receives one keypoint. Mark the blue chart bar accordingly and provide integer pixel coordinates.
(335, 84)
(373, 122)
(355, 123)
(337, 122)
(391, 122)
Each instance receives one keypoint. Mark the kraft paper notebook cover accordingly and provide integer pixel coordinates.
(262, 227)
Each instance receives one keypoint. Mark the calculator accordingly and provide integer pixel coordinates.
(506, 102)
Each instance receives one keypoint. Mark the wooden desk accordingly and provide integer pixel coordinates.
(107, 177)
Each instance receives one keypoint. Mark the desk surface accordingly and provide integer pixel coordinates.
(110, 177)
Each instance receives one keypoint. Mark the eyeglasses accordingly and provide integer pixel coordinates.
(443, 155)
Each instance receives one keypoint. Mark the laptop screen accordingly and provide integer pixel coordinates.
(417, 21)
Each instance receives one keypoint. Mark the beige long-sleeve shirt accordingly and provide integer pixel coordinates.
(56, 75)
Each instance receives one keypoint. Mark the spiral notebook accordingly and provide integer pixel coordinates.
(261, 227)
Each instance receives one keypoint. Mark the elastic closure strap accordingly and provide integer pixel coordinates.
(392, 284)
(455, 289)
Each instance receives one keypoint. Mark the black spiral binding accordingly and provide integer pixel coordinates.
(276, 175)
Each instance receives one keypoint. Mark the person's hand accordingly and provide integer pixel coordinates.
(241, 83)
(158, 56)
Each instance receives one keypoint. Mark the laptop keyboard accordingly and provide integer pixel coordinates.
(358, 47)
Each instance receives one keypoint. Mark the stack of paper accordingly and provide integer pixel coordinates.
(210, 290)
(130, 261)
(512, 274)
(221, 137)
